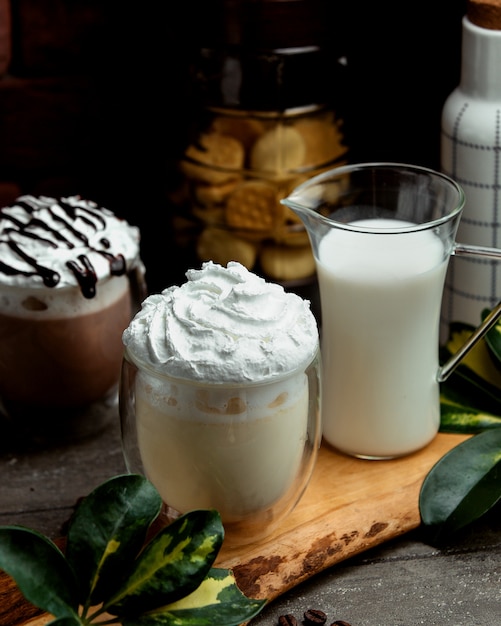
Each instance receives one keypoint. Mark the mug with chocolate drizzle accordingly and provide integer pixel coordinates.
(71, 278)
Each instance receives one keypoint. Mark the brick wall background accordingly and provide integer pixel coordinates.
(91, 101)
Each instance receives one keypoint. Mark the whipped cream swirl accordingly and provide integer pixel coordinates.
(224, 325)
(68, 242)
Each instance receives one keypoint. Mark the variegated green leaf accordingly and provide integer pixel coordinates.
(173, 564)
(493, 339)
(463, 485)
(40, 571)
(107, 532)
(479, 361)
(470, 400)
(457, 417)
(473, 385)
(463, 420)
(216, 602)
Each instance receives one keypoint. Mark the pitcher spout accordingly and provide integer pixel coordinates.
(307, 215)
(311, 196)
(313, 200)
(300, 204)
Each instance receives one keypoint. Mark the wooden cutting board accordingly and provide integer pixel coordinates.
(349, 506)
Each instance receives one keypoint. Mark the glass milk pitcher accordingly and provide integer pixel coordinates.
(382, 235)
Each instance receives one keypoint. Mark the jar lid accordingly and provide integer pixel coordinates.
(267, 54)
(265, 24)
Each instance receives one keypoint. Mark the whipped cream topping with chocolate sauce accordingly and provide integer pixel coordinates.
(54, 243)
(225, 324)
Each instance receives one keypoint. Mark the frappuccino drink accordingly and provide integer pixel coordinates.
(66, 267)
(221, 383)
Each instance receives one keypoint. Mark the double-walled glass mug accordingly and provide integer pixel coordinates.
(382, 235)
(245, 449)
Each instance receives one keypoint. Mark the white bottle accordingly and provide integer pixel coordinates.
(471, 154)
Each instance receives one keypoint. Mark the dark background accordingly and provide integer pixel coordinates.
(96, 98)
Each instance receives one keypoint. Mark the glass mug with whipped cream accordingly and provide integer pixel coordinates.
(220, 395)
(71, 279)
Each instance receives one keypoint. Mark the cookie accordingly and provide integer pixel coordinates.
(322, 138)
(245, 129)
(215, 159)
(208, 195)
(279, 150)
(221, 246)
(254, 205)
(287, 263)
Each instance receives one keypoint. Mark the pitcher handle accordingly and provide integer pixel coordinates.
(463, 249)
(449, 366)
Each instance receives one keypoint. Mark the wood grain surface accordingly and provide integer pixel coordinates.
(350, 506)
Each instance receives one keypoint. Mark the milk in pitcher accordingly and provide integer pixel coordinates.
(381, 296)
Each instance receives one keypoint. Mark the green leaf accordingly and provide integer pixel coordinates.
(470, 399)
(107, 532)
(456, 416)
(493, 340)
(469, 384)
(473, 390)
(463, 485)
(39, 570)
(216, 602)
(479, 360)
(173, 564)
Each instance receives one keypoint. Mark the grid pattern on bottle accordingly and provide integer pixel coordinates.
(474, 161)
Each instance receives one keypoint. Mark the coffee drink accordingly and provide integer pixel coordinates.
(65, 299)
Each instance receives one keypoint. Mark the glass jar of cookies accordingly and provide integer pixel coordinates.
(269, 90)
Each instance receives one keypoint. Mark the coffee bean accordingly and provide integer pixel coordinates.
(340, 622)
(312, 617)
(287, 620)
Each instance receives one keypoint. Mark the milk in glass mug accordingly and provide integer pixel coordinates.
(220, 398)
